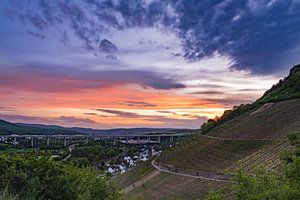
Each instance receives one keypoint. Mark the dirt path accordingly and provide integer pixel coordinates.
(210, 177)
(240, 139)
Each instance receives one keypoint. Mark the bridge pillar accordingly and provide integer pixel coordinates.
(65, 141)
(32, 141)
(159, 139)
(172, 139)
(15, 141)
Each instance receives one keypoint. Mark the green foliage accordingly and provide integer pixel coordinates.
(228, 115)
(214, 195)
(286, 89)
(94, 154)
(6, 196)
(32, 177)
(207, 126)
(264, 185)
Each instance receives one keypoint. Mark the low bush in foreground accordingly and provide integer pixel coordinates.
(29, 177)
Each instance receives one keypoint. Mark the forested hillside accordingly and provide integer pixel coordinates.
(286, 89)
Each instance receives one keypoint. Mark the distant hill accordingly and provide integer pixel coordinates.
(22, 128)
(10, 128)
(133, 131)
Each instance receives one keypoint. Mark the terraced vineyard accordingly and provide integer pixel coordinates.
(132, 176)
(169, 187)
(203, 154)
(162, 185)
(267, 157)
(208, 154)
(276, 121)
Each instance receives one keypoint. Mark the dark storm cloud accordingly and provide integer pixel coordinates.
(256, 34)
(252, 90)
(209, 92)
(260, 35)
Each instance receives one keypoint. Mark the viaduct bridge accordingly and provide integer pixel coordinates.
(125, 139)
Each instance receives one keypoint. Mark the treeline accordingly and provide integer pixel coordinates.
(286, 89)
(89, 155)
(29, 177)
(227, 115)
(283, 184)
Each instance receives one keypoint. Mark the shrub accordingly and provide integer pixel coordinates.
(32, 177)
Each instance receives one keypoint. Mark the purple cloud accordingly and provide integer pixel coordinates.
(138, 104)
(60, 79)
(120, 113)
(72, 119)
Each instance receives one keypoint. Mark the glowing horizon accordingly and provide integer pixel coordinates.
(69, 64)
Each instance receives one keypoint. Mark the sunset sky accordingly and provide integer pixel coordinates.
(140, 63)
